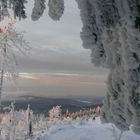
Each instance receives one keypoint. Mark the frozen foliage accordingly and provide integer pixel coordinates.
(10, 123)
(18, 7)
(56, 9)
(3, 9)
(55, 112)
(13, 126)
(27, 125)
(10, 42)
(38, 10)
(111, 30)
(13, 122)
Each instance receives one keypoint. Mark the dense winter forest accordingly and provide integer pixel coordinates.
(111, 30)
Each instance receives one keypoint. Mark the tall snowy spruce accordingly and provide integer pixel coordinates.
(111, 30)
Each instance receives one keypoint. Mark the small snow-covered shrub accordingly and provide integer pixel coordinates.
(55, 112)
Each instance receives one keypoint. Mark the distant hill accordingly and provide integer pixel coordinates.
(42, 104)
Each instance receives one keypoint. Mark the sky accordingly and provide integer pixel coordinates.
(57, 65)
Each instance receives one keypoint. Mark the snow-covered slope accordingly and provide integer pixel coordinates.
(91, 130)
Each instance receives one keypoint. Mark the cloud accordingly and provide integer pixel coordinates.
(59, 84)
(27, 76)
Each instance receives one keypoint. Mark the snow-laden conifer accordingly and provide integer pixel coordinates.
(38, 10)
(56, 9)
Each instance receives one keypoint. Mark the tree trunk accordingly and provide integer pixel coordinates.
(2, 76)
(1, 84)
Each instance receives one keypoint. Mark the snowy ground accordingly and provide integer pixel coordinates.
(92, 130)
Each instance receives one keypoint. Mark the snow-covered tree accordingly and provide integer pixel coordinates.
(38, 10)
(11, 122)
(18, 7)
(111, 30)
(56, 9)
(3, 9)
(29, 121)
(10, 41)
(55, 112)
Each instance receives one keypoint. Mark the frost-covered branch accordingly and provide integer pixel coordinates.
(38, 10)
(10, 42)
(56, 9)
